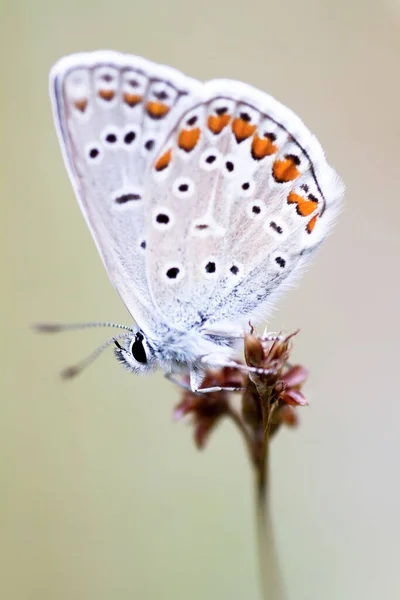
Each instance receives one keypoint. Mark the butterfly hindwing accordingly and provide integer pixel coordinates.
(203, 199)
(240, 195)
(112, 112)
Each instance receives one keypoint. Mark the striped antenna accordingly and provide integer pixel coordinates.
(58, 327)
(73, 370)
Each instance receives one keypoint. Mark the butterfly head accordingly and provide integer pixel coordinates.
(135, 353)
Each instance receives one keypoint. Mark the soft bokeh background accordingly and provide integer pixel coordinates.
(103, 496)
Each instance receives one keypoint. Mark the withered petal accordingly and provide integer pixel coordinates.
(295, 376)
(289, 416)
(253, 350)
(294, 398)
(202, 430)
(188, 405)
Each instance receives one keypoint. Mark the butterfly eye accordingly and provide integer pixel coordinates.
(137, 349)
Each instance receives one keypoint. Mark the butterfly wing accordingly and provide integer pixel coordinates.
(240, 196)
(112, 111)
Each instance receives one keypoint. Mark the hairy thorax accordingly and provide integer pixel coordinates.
(180, 351)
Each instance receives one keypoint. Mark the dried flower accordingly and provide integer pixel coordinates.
(269, 396)
(208, 409)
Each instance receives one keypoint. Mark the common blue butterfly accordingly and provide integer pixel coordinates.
(204, 200)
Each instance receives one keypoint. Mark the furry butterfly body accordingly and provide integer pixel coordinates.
(204, 200)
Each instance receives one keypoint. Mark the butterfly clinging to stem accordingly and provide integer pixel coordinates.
(204, 200)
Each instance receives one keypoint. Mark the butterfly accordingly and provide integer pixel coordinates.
(205, 200)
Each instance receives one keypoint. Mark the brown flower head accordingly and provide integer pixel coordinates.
(270, 392)
(208, 409)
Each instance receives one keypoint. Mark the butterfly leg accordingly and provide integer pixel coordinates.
(197, 390)
(217, 388)
(218, 363)
(196, 379)
(248, 368)
(271, 337)
(179, 382)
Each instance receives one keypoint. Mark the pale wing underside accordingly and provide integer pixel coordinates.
(238, 198)
(112, 112)
(203, 199)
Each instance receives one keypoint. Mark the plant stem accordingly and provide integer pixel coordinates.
(271, 579)
(238, 421)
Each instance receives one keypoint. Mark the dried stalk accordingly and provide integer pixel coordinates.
(268, 401)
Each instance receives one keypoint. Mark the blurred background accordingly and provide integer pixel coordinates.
(103, 496)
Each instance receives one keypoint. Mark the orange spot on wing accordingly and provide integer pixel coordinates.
(132, 99)
(217, 123)
(307, 207)
(294, 198)
(164, 160)
(304, 206)
(242, 129)
(285, 170)
(157, 110)
(188, 139)
(81, 104)
(311, 224)
(106, 94)
(262, 147)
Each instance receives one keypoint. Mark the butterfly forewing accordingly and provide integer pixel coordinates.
(240, 195)
(113, 112)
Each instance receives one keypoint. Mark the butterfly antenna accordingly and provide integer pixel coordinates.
(73, 370)
(57, 327)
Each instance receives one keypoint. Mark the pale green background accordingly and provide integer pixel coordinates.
(102, 496)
